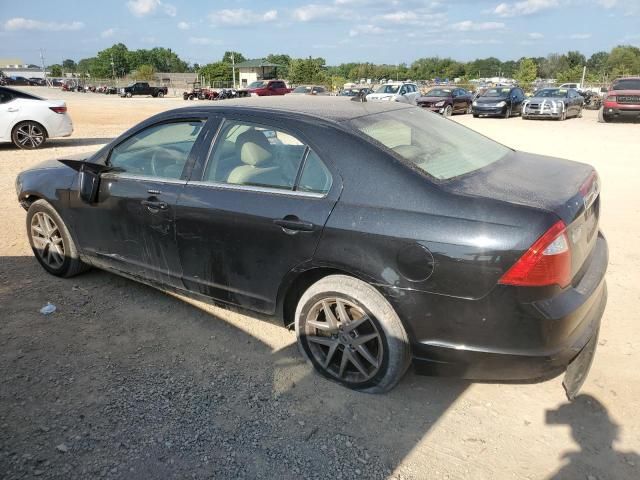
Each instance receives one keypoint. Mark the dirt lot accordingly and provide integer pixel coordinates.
(124, 381)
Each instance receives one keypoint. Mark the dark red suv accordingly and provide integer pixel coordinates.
(623, 100)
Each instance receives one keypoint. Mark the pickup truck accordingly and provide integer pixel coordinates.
(622, 100)
(142, 88)
(263, 88)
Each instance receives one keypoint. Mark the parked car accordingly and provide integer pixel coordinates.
(469, 259)
(265, 88)
(556, 103)
(17, 81)
(142, 89)
(309, 90)
(395, 92)
(499, 102)
(355, 92)
(28, 120)
(37, 82)
(446, 101)
(575, 86)
(622, 100)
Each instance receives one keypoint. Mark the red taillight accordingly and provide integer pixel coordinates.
(58, 109)
(547, 262)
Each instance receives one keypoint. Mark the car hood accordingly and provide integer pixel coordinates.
(55, 162)
(491, 99)
(547, 99)
(433, 99)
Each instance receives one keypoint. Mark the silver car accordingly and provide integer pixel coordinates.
(555, 103)
(395, 92)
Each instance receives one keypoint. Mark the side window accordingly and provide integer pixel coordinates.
(403, 90)
(5, 96)
(250, 154)
(158, 151)
(315, 175)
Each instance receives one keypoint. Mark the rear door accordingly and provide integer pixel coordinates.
(253, 212)
(131, 226)
(9, 108)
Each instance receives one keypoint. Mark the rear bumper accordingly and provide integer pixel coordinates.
(504, 336)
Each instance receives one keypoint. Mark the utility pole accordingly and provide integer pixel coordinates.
(113, 68)
(44, 71)
(233, 69)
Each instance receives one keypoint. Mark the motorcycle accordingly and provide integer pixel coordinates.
(226, 93)
(592, 101)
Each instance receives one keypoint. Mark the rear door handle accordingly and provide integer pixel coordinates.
(294, 225)
(153, 206)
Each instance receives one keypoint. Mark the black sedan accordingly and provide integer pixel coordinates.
(499, 102)
(383, 234)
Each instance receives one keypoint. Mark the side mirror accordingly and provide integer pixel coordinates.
(88, 177)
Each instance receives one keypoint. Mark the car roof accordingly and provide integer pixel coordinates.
(336, 109)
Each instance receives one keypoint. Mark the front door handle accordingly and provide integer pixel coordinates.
(154, 206)
(12, 109)
(292, 224)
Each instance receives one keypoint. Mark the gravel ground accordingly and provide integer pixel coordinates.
(124, 381)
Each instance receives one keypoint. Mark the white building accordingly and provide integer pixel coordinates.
(257, 69)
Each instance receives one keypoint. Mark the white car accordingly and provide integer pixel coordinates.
(27, 120)
(395, 92)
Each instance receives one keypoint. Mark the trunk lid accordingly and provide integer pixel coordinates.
(570, 190)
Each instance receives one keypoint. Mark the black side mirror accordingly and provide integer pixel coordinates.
(88, 177)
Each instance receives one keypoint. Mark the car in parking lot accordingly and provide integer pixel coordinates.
(556, 103)
(499, 102)
(28, 121)
(309, 90)
(402, 92)
(383, 234)
(622, 100)
(446, 101)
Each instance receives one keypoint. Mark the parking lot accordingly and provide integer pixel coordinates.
(124, 381)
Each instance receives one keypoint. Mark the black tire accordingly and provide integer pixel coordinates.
(128, 95)
(28, 135)
(448, 111)
(71, 265)
(395, 354)
(507, 113)
(475, 115)
(469, 109)
(160, 94)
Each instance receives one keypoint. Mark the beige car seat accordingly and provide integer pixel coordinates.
(256, 157)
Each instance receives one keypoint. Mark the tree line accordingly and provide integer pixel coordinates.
(119, 61)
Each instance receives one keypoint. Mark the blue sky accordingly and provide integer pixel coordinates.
(381, 31)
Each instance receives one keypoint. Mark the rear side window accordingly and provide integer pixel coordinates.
(315, 175)
(440, 148)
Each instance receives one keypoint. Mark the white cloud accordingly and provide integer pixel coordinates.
(526, 7)
(366, 30)
(20, 23)
(203, 41)
(535, 35)
(242, 17)
(108, 33)
(475, 41)
(580, 36)
(469, 26)
(184, 25)
(141, 8)
(607, 3)
(311, 12)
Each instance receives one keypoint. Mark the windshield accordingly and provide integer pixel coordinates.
(388, 89)
(627, 84)
(301, 89)
(551, 93)
(439, 92)
(257, 84)
(497, 92)
(441, 148)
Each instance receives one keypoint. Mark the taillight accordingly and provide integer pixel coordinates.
(547, 262)
(58, 109)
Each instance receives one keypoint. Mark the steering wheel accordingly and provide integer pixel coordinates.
(162, 158)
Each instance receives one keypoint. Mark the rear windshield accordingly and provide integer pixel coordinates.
(627, 84)
(441, 148)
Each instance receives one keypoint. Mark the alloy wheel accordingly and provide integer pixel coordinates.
(47, 240)
(29, 135)
(343, 340)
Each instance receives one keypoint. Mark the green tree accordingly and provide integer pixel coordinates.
(55, 70)
(576, 59)
(281, 59)
(570, 75)
(145, 72)
(527, 72)
(216, 72)
(69, 65)
(237, 57)
(624, 60)
(597, 63)
(307, 70)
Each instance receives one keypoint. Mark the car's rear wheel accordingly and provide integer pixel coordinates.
(469, 109)
(351, 334)
(507, 112)
(129, 95)
(28, 135)
(51, 242)
(448, 110)
(160, 94)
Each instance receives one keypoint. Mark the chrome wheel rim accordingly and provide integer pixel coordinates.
(29, 135)
(343, 340)
(47, 240)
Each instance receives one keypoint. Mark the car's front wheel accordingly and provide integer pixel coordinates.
(51, 242)
(351, 334)
(448, 111)
(28, 135)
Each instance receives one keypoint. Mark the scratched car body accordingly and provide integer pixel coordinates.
(383, 234)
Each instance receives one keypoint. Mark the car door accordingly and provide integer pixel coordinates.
(254, 213)
(131, 225)
(9, 108)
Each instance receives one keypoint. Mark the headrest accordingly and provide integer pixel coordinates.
(254, 147)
